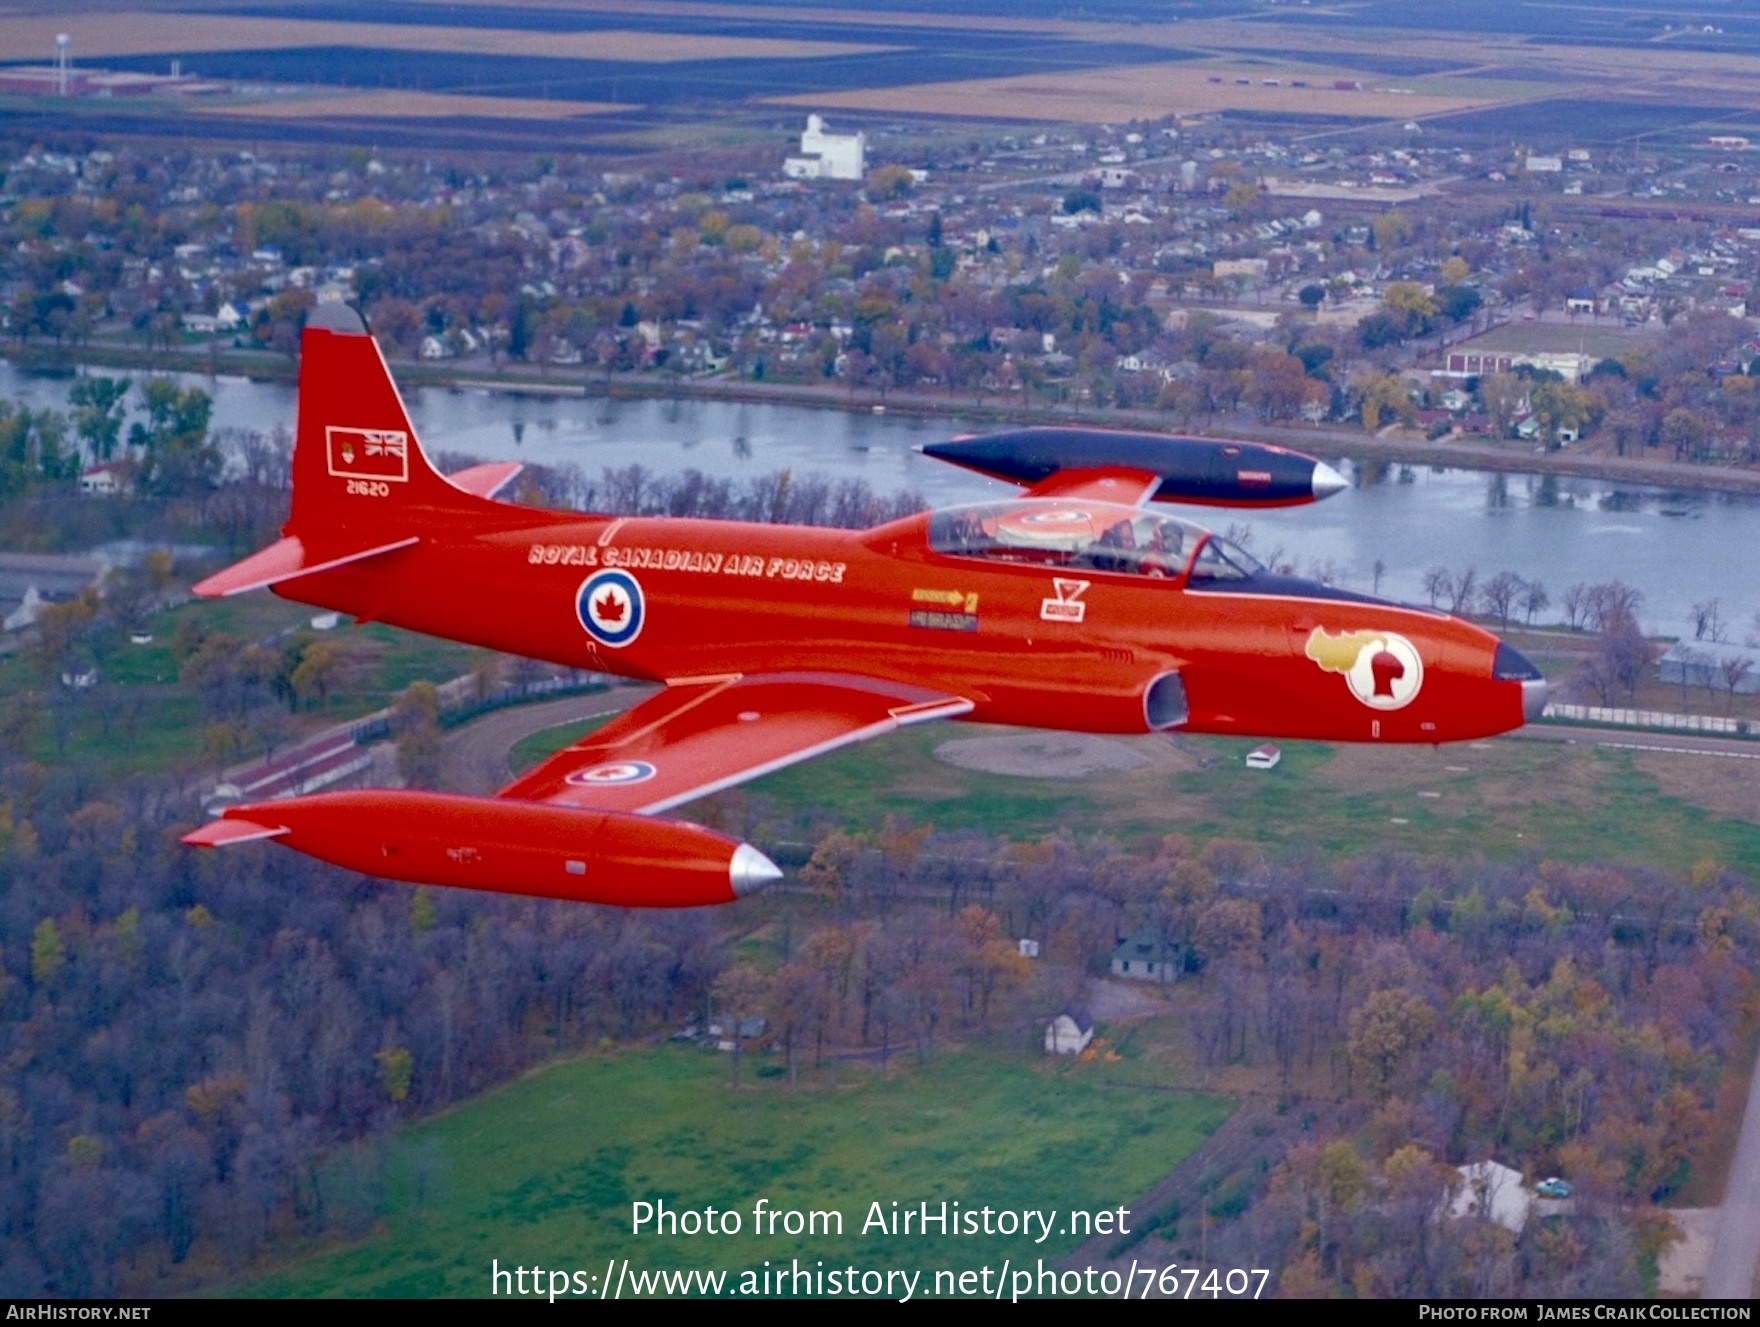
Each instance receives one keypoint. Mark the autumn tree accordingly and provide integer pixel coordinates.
(415, 725)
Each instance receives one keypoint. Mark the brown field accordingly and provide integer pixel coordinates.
(862, 18)
(412, 106)
(96, 36)
(1139, 92)
(1722, 785)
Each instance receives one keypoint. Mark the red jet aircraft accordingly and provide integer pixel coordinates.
(1075, 605)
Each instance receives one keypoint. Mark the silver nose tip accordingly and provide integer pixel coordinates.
(1327, 481)
(750, 870)
(1533, 699)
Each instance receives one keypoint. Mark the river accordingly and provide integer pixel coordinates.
(1678, 547)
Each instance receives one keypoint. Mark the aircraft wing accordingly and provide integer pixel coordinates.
(701, 735)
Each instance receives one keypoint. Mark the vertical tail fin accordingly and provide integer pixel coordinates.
(359, 474)
(361, 485)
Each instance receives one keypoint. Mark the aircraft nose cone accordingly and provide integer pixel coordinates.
(1533, 700)
(1327, 481)
(750, 870)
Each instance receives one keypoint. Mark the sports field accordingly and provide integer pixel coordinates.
(544, 1171)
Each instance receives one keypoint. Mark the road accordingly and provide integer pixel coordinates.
(1641, 739)
(474, 755)
(1737, 1250)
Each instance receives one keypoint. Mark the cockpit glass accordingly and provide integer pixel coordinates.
(1219, 560)
(1069, 534)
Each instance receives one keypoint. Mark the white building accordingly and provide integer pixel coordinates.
(1069, 1033)
(1495, 1193)
(828, 156)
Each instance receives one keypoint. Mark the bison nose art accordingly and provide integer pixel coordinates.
(1386, 669)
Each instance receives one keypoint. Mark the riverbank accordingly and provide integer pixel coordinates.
(1330, 440)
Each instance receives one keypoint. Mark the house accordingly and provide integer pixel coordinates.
(1069, 1033)
(1495, 1193)
(1145, 956)
(104, 480)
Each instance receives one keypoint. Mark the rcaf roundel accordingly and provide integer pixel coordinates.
(611, 608)
(621, 771)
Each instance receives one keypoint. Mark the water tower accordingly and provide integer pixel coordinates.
(62, 42)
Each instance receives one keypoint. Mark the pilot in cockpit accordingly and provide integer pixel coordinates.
(1163, 547)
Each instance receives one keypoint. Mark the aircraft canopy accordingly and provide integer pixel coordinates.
(1091, 536)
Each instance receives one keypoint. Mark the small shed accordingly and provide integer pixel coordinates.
(1069, 1033)
(1145, 956)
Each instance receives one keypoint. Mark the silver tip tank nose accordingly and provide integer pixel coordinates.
(1534, 699)
(750, 870)
(1327, 481)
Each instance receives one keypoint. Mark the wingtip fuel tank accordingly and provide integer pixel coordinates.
(1215, 471)
(511, 847)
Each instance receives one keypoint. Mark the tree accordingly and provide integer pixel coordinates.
(99, 406)
(1391, 229)
(1706, 625)
(1499, 596)
(1504, 397)
(48, 955)
(1534, 599)
(1561, 407)
(1384, 1030)
(1461, 596)
(1381, 395)
(1686, 432)
(1312, 295)
(315, 675)
(1622, 655)
(889, 182)
(415, 720)
(1241, 196)
(1408, 306)
(1735, 670)
(1438, 584)
(1458, 303)
(738, 995)
(179, 459)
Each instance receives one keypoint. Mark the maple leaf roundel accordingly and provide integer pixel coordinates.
(611, 607)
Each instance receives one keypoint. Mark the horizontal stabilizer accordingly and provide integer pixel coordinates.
(283, 561)
(227, 831)
(485, 481)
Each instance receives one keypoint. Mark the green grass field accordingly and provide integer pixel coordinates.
(143, 719)
(545, 1170)
(1501, 799)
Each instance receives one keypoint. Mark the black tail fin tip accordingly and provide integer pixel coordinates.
(335, 316)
